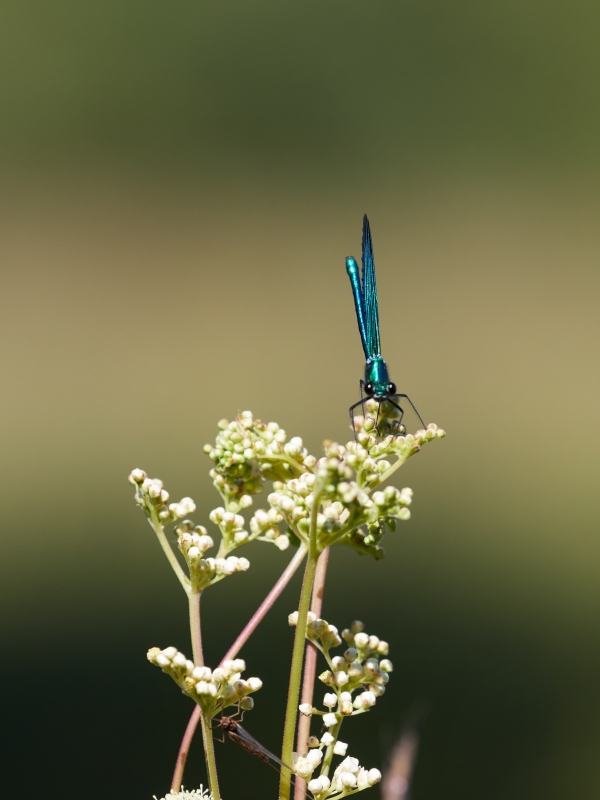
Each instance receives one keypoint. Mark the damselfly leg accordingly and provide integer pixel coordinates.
(397, 422)
(413, 407)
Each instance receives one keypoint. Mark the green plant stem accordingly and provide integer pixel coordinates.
(171, 557)
(209, 752)
(335, 732)
(195, 630)
(296, 674)
(310, 668)
(388, 473)
(198, 658)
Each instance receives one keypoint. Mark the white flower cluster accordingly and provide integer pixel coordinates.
(193, 541)
(231, 526)
(214, 689)
(248, 451)
(348, 777)
(318, 630)
(358, 668)
(195, 794)
(153, 498)
(263, 526)
(345, 506)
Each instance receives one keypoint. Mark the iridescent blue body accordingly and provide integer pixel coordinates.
(376, 384)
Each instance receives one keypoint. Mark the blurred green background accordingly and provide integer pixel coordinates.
(181, 184)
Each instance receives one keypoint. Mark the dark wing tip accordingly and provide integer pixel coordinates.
(367, 246)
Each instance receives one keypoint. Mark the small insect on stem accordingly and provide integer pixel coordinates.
(241, 736)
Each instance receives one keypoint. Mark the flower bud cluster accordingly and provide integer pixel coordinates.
(152, 497)
(368, 454)
(247, 452)
(305, 765)
(194, 794)
(193, 541)
(345, 506)
(214, 689)
(232, 529)
(318, 630)
(358, 669)
(264, 527)
(348, 777)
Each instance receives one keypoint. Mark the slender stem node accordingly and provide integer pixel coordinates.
(195, 630)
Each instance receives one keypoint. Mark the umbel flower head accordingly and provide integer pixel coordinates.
(343, 484)
(194, 794)
(247, 452)
(213, 690)
(363, 667)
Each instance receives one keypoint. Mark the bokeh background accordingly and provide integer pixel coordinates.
(181, 184)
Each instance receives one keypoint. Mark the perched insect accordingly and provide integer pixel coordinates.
(377, 384)
(241, 736)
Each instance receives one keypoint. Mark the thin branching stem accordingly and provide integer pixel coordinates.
(168, 551)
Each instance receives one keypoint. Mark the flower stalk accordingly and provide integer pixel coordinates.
(310, 667)
(291, 710)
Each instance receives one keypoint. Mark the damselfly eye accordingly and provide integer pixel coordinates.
(369, 389)
(391, 388)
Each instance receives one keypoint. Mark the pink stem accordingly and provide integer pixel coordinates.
(235, 648)
(310, 669)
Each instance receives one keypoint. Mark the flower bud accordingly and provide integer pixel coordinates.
(374, 776)
(341, 678)
(340, 748)
(367, 699)
(303, 768)
(348, 780)
(327, 678)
